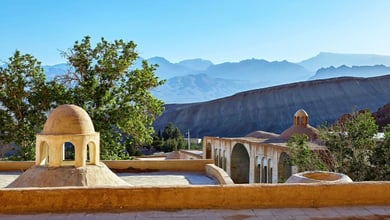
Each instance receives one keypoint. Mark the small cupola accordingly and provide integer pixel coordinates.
(68, 127)
(301, 118)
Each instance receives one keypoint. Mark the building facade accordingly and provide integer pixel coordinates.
(260, 157)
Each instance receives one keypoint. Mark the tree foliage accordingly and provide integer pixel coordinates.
(380, 160)
(301, 155)
(352, 145)
(100, 80)
(25, 99)
(117, 98)
(169, 140)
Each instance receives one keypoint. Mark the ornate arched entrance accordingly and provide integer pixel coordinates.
(239, 165)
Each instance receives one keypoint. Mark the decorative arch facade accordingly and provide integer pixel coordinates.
(263, 157)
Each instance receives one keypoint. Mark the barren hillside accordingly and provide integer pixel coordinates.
(271, 109)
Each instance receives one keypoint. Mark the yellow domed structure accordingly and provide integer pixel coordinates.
(68, 119)
(67, 153)
(67, 125)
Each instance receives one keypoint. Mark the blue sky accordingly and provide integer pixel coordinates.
(217, 30)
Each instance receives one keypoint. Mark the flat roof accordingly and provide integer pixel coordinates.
(163, 178)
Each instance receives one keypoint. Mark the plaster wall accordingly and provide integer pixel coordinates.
(67, 199)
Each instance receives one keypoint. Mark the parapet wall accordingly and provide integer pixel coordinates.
(140, 165)
(67, 199)
(230, 196)
(172, 165)
(219, 174)
(15, 165)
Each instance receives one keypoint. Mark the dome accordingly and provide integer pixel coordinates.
(308, 130)
(68, 119)
(301, 113)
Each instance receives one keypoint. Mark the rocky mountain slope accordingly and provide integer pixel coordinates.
(271, 109)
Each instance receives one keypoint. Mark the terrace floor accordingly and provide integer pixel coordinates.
(333, 213)
(190, 178)
(141, 179)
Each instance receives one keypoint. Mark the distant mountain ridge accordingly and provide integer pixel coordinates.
(356, 71)
(198, 80)
(55, 70)
(259, 70)
(325, 59)
(196, 64)
(192, 88)
(225, 79)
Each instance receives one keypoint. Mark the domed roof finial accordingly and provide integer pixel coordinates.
(301, 118)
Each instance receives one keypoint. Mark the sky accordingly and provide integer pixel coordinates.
(216, 30)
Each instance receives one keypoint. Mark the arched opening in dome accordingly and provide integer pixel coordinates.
(43, 153)
(239, 166)
(91, 153)
(68, 151)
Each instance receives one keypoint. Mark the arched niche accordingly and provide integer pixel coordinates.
(208, 151)
(284, 168)
(264, 176)
(239, 164)
(270, 170)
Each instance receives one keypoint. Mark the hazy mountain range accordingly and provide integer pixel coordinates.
(221, 80)
(198, 80)
(338, 59)
(357, 71)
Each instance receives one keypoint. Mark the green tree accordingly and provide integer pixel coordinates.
(380, 158)
(172, 139)
(301, 155)
(25, 98)
(117, 98)
(351, 144)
